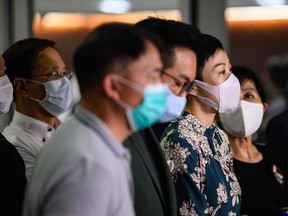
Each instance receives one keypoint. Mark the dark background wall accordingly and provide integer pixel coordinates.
(251, 42)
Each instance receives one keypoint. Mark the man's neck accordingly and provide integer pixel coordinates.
(36, 114)
(113, 116)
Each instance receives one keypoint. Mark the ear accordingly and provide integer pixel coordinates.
(193, 90)
(265, 106)
(19, 85)
(111, 86)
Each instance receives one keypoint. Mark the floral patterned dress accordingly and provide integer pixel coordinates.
(202, 171)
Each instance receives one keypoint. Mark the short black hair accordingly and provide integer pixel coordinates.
(208, 46)
(244, 74)
(172, 34)
(107, 45)
(22, 57)
(277, 68)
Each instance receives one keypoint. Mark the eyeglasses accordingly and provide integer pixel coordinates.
(178, 86)
(57, 75)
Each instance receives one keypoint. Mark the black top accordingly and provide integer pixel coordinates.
(277, 134)
(264, 192)
(159, 128)
(12, 179)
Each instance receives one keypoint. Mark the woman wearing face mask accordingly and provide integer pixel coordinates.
(202, 171)
(262, 176)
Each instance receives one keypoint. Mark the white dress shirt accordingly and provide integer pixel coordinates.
(82, 170)
(28, 135)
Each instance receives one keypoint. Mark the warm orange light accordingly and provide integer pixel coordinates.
(256, 13)
(79, 20)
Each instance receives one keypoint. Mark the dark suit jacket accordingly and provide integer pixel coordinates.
(12, 180)
(154, 190)
(277, 134)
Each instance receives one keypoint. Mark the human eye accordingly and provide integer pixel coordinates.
(250, 96)
(56, 75)
(222, 72)
(178, 83)
(154, 77)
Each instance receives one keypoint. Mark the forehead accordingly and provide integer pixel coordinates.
(247, 83)
(148, 62)
(184, 65)
(219, 58)
(48, 60)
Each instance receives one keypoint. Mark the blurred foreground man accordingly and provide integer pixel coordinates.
(154, 189)
(84, 169)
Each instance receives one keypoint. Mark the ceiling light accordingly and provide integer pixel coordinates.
(271, 3)
(115, 6)
(256, 13)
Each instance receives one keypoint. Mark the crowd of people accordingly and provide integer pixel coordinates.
(163, 127)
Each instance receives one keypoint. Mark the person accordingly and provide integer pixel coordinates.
(275, 77)
(42, 92)
(262, 179)
(85, 169)
(154, 190)
(178, 40)
(13, 180)
(202, 172)
(276, 129)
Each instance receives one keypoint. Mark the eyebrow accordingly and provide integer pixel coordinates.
(249, 88)
(55, 67)
(219, 64)
(183, 76)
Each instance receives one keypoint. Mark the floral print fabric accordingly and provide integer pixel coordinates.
(203, 173)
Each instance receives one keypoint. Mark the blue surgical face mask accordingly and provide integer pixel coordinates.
(59, 96)
(174, 108)
(152, 107)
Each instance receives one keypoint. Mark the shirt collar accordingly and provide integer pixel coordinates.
(97, 125)
(197, 125)
(34, 126)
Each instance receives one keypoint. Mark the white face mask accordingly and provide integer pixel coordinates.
(174, 107)
(6, 94)
(227, 94)
(244, 121)
(59, 96)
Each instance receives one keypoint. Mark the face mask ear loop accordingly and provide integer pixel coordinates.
(30, 80)
(211, 89)
(130, 84)
(204, 100)
(123, 104)
(208, 102)
(34, 99)
(129, 116)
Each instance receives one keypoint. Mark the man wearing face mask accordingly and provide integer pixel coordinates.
(13, 180)
(261, 174)
(84, 169)
(154, 190)
(42, 91)
(203, 173)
